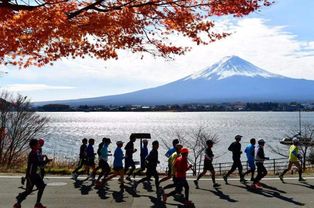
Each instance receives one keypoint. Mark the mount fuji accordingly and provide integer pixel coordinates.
(231, 79)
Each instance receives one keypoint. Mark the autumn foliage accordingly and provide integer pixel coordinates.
(43, 31)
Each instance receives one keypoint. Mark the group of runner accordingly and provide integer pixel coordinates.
(178, 165)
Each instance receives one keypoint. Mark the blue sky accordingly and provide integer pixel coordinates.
(279, 39)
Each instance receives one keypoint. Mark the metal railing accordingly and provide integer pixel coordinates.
(273, 166)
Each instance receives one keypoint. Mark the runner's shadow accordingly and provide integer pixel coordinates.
(271, 194)
(119, 195)
(303, 184)
(272, 188)
(102, 192)
(85, 189)
(221, 195)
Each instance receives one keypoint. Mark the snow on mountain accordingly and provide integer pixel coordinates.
(230, 80)
(231, 66)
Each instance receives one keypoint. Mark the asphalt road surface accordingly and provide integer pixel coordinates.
(63, 192)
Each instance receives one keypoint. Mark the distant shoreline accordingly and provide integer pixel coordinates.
(221, 107)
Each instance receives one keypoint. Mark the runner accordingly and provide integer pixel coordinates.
(259, 160)
(44, 158)
(151, 164)
(171, 161)
(144, 153)
(250, 153)
(82, 160)
(129, 162)
(90, 161)
(117, 165)
(208, 164)
(294, 158)
(33, 176)
(168, 154)
(181, 166)
(235, 148)
(103, 160)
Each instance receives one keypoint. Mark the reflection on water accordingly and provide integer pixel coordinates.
(66, 130)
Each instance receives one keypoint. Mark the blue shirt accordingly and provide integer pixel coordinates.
(170, 152)
(118, 158)
(104, 152)
(249, 150)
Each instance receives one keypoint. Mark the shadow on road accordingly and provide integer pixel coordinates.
(303, 184)
(270, 194)
(220, 194)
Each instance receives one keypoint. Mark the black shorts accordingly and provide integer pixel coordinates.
(36, 180)
(129, 162)
(117, 169)
(208, 166)
(104, 165)
(90, 161)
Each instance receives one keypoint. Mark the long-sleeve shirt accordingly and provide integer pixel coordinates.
(152, 159)
(83, 151)
(170, 152)
(235, 148)
(33, 163)
(181, 165)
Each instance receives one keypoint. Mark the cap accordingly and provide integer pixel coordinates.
(184, 150)
(107, 140)
(261, 141)
(295, 140)
(119, 142)
(41, 141)
(238, 136)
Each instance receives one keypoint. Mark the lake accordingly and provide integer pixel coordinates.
(67, 129)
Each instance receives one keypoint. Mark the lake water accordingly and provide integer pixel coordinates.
(66, 129)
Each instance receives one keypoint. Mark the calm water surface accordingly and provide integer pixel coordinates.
(66, 129)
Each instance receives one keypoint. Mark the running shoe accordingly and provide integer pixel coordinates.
(281, 178)
(39, 205)
(23, 180)
(242, 180)
(164, 198)
(128, 178)
(188, 202)
(301, 179)
(196, 184)
(215, 185)
(225, 179)
(17, 205)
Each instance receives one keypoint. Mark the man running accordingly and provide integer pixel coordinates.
(82, 160)
(235, 148)
(117, 165)
(168, 155)
(250, 153)
(181, 166)
(208, 164)
(151, 163)
(259, 160)
(103, 160)
(144, 153)
(129, 162)
(33, 176)
(90, 161)
(294, 157)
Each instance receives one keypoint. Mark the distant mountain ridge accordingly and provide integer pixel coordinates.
(231, 79)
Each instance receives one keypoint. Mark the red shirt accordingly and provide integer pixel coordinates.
(181, 165)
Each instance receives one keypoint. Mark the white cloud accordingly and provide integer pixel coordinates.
(35, 87)
(269, 47)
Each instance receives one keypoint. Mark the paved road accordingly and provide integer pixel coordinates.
(62, 192)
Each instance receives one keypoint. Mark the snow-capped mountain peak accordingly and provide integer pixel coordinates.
(231, 66)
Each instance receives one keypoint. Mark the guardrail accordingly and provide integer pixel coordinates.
(273, 166)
